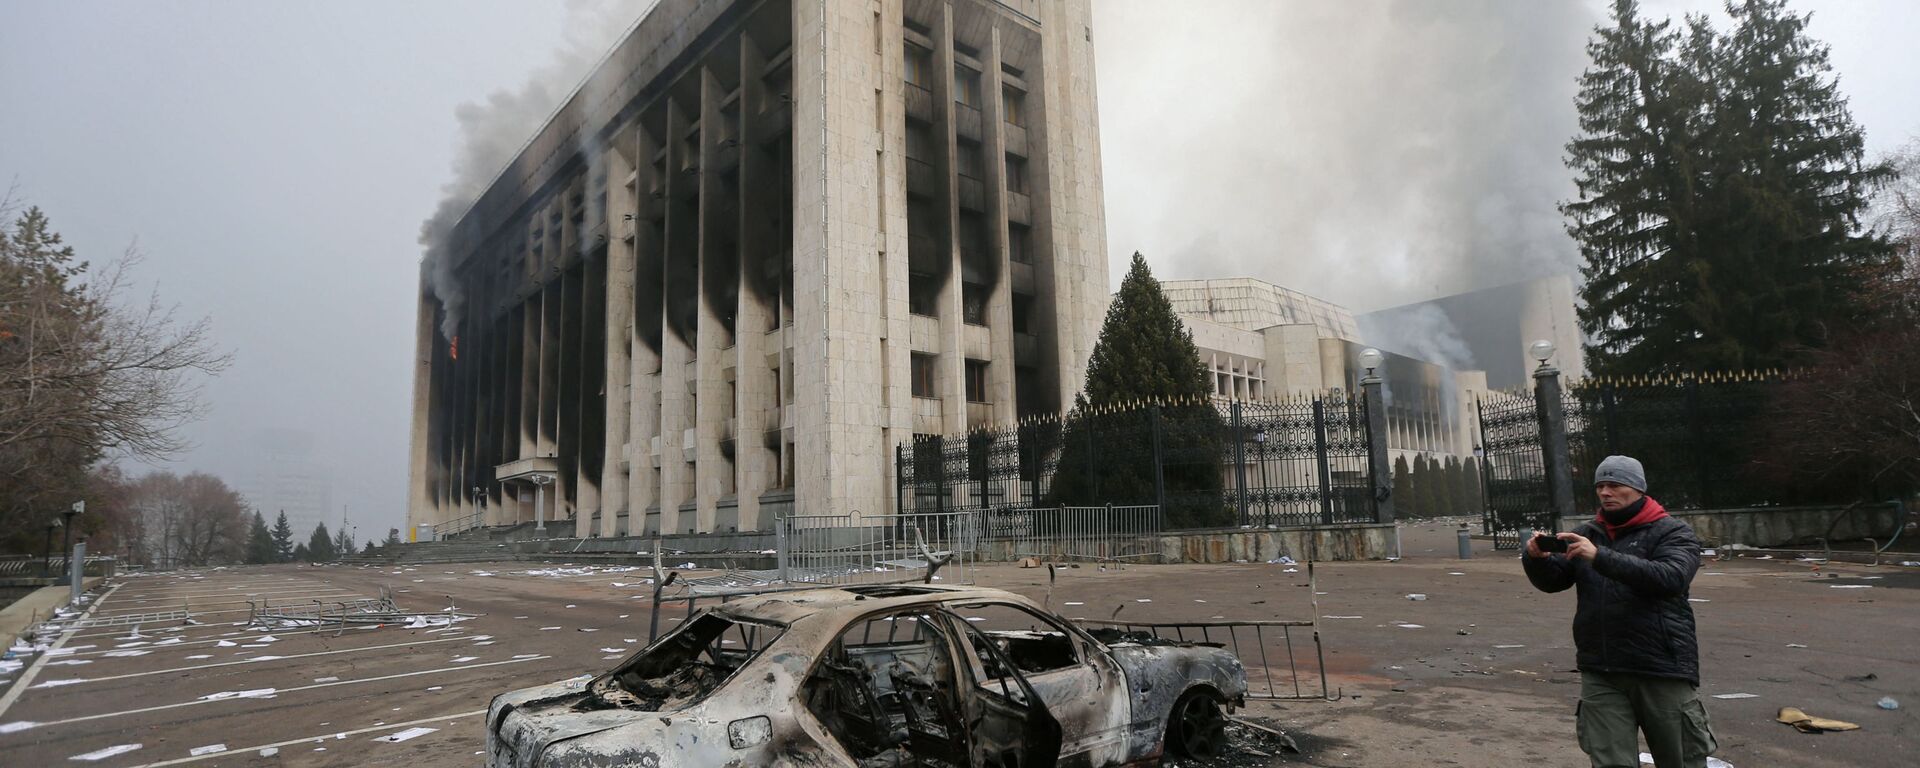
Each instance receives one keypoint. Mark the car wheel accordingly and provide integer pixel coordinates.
(1196, 728)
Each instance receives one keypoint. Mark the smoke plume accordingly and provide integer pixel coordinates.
(1374, 152)
(493, 131)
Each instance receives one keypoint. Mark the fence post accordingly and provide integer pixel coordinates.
(781, 543)
(1378, 464)
(900, 479)
(1239, 464)
(1321, 474)
(1555, 455)
(1159, 458)
(940, 485)
(1696, 432)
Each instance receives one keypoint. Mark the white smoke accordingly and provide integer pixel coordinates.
(493, 131)
(1374, 152)
(1422, 332)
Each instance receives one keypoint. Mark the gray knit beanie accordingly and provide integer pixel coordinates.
(1625, 470)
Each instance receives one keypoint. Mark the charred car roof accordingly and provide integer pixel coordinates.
(837, 605)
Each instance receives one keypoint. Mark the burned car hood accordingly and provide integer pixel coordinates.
(524, 723)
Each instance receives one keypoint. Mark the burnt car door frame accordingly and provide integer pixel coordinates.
(1004, 731)
(1088, 698)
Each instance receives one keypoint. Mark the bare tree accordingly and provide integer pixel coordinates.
(87, 370)
(189, 521)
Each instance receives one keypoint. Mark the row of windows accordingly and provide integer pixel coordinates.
(925, 383)
(923, 298)
(966, 85)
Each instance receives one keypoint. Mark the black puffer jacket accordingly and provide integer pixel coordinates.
(1633, 614)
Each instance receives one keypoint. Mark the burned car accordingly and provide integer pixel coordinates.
(892, 675)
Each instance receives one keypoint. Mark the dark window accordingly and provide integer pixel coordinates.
(923, 380)
(973, 303)
(919, 66)
(1017, 244)
(966, 86)
(923, 295)
(1016, 174)
(968, 157)
(976, 381)
(1014, 105)
(1022, 313)
(920, 142)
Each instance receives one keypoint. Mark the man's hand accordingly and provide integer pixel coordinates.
(1578, 547)
(1533, 548)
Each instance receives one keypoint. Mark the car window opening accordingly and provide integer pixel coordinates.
(682, 668)
(885, 690)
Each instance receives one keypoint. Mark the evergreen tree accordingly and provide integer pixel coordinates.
(1423, 494)
(260, 548)
(1720, 183)
(283, 548)
(300, 554)
(393, 537)
(368, 549)
(320, 545)
(343, 542)
(1145, 355)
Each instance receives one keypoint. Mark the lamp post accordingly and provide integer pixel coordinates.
(66, 536)
(540, 482)
(1555, 453)
(1372, 390)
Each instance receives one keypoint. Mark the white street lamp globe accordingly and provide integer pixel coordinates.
(1370, 359)
(1541, 350)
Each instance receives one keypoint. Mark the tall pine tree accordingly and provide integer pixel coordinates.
(320, 545)
(283, 545)
(1145, 355)
(260, 548)
(1720, 183)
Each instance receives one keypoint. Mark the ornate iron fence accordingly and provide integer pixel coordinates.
(1698, 436)
(1513, 469)
(1204, 463)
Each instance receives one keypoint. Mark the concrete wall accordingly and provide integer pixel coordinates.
(1340, 542)
(1784, 526)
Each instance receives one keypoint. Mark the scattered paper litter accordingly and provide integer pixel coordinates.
(198, 656)
(128, 653)
(257, 693)
(1849, 586)
(207, 750)
(1143, 600)
(1343, 617)
(548, 629)
(225, 643)
(464, 659)
(1736, 695)
(266, 639)
(1698, 600)
(613, 650)
(69, 662)
(17, 725)
(1712, 762)
(269, 751)
(57, 683)
(1410, 626)
(1795, 645)
(102, 754)
(325, 679)
(409, 733)
(1073, 603)
(1512, 645)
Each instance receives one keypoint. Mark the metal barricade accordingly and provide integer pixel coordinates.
(870, 549)
(1101, 534)
(1250, 641)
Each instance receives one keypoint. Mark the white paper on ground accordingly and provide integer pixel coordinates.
(464, 659)
(199, 656)
(1736, 696)
(55, 683)
(1712, 762)
(395, 738)
(17, 725)
(207, 750)
(1342, 617)
(102, 754)
(325, 679)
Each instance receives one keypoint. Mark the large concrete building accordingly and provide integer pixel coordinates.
(766, 242)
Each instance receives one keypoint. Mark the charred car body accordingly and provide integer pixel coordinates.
(878, 676)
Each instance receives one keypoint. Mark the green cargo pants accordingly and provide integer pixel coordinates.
(1613, 706)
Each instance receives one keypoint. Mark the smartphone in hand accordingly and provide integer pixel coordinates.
(1549, 543)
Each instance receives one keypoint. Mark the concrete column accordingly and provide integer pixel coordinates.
(419, 476)
(619, 459)
(1379, 464)
(644, 490)
(676, 475)
(1065, 178)
(951, 369)
(837, 283)
(713, 473)
(530, 313)
(756, 394)
(1000, 305)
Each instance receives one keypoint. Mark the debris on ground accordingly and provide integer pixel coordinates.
(1809, 724)
(1712, 762)
(1249, 744)
(1888, 702)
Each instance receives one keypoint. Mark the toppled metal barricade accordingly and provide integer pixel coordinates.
(341, 613)
(1248, 640)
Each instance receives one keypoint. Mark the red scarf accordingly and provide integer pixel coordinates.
(1648, 513)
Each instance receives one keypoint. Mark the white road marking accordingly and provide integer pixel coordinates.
(197, 702)
(226, 635)
(260, 659)
(311, 739)
(22, 683)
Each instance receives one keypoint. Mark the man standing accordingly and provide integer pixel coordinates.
(1638, 655)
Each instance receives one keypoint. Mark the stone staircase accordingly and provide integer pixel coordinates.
(451, 551)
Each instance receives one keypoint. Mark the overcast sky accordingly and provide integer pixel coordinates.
(275, 161)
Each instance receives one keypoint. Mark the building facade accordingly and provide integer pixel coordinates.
(1263, 341)
(762, 245)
